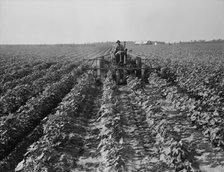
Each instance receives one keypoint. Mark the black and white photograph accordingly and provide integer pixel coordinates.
(111, 85)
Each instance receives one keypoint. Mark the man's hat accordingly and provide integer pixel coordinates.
(118, 41)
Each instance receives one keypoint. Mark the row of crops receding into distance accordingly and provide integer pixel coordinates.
(55, 117)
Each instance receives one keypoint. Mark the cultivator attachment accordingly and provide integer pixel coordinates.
(122, 67)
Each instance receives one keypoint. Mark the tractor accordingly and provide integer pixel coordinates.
(121, 66)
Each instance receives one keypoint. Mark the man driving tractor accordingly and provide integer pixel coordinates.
(120, 53)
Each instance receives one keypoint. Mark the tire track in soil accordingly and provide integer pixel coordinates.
(137, 133)
(89, 159)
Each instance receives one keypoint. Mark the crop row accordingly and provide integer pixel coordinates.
(112, 146)
(199, 78)
(10, 65)
(38, 72)
(206, 96)
(207, 119)
(16, 56)
(196, 67)
(201, 83)
(208, 123)
(169, 150)
(18, 96)
(63, 135)
(14, 129)
(22, 71)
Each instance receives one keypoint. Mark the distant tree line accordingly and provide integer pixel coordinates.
(205, 41)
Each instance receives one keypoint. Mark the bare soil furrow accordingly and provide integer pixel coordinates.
(89, 160)
(136, 130)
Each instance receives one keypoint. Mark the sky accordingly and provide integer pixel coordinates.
(84, 21)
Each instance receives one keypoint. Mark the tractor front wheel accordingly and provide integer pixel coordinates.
(118, 77)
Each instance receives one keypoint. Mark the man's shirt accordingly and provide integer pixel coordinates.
(118, 48)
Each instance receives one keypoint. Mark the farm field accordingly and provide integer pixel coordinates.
(55, 117)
